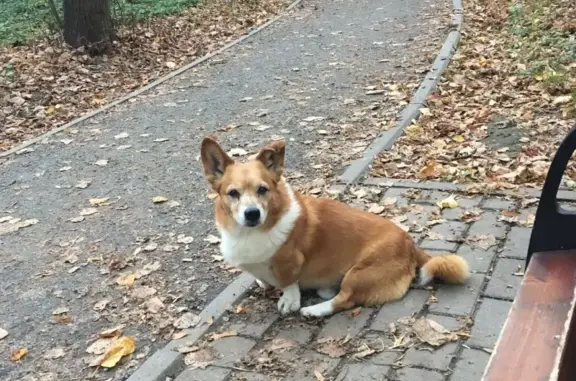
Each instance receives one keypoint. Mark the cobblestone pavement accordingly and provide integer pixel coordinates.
(251, 341)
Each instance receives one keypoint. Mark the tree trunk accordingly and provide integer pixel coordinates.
(88, 23)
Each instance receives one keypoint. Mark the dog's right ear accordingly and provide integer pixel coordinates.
(215, 161)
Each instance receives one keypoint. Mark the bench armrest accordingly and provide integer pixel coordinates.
(554, 226)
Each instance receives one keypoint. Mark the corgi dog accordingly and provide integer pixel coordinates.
(291, 241)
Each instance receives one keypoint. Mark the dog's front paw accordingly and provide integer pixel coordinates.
(263, 285)
(288, 303)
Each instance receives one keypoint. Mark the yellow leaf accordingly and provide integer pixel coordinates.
(458, 138)
(18, 354)
(124, 346)
(51, 110)
(159, 199)
(448, 202)
(98, 201)
(126, 280)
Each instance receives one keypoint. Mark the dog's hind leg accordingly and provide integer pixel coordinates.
(367, 283)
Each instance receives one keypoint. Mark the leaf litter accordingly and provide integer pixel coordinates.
(51, 84)
(503, 105)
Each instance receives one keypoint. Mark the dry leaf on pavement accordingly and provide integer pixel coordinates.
(54, 353)
(200, 359)
(3, 333)
(430, 332)
(187, 320)
(124, 346)
(483, 241)
(18, 354)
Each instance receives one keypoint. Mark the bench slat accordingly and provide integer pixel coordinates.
(533, 342)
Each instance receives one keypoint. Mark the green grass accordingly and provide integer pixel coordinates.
(25, 20)
(547, 49)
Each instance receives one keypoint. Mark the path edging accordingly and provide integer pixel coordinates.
(152, 85)
(385, 139)
(168, 361)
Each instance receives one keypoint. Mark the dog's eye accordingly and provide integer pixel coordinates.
(262, 190)
(234, 193)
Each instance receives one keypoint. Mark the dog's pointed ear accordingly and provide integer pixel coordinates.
(214, 160)
(272, 156)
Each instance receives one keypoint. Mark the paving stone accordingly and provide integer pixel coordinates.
(431, 358)
(376, 339)
(489, 224)
(209, 374)
(250, 376)
(255, 328)
(390, 312)
(458, 299)
(499, 204)
(488, 322)
(450, 231)
(341, 325)
(470, 365)
(308, 362)
(300, 333)
(397, 193)
(478, 258)
(231, 349)
(420, 214)
(361, 372)
(503, 284)
(464, 203)
(517, 242)
(412, 374)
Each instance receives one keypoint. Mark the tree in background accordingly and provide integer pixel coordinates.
(88, 23)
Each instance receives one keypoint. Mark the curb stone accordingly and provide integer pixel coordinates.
(412, 111)
(135, 93)
(168, 361)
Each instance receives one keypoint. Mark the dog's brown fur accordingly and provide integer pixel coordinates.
(371, 259)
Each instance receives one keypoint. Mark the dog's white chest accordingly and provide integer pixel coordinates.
(249, 248)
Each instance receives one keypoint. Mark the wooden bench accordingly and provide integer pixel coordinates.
(538, 341)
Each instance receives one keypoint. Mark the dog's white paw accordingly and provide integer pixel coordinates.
(262, 284)
(290, 299)
(318, 310)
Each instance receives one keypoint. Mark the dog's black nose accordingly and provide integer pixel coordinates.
(252, 214)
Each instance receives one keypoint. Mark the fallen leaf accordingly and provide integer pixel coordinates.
(221, 335)
(3, 333)
(331, 347)
(111, 332)
(279, 345)
(60, 311)
(154, 305)
(151, 246)
(237, 152)
(159, 199)
(122, 135)
(449, 202)
(62, 319)
(200, 359)
(83, 184)
(179, 335)
(187, 320)
(319, 376)
(483, 241)
(212, 239)
(18, 354)
(241, 309)
(185, 240)
(430, 332)
(77, 219)
(98, 201)
(124, 346)
(126, 279)
(376, 209)
(15, 224)
(387, 201)
(101, 305)
(101, 163)
(88, 211)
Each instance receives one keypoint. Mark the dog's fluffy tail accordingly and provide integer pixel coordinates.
(450, 268)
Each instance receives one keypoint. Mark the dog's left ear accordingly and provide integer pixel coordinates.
(272, 156)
